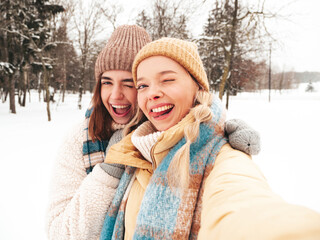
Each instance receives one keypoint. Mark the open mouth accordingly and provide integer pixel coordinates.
(121, 109)
(161, 111)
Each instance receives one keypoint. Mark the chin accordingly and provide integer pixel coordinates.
(163, 127)
(124, 122)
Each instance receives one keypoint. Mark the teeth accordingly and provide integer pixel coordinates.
(161, 109)
(119, 106)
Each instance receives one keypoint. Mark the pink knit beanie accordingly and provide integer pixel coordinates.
(123, 45)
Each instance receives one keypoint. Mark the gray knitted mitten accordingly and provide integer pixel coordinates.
(113, 169)
(242, 137)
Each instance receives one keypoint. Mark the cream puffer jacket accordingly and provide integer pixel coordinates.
(237, 200)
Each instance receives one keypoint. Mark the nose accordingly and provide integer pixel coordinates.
(154, 92)
(117, 92)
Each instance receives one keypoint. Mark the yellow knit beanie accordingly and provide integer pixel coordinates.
(183, 52)
(122, 47)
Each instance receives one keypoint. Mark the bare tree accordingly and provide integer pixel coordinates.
(86, 20)
(167, 19)
(111, 13)
(233, 32)
(62, 51)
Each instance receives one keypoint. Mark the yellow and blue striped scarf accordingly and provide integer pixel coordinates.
(164, 214)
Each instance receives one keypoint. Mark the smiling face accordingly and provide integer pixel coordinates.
(118, 95)
(166, 91)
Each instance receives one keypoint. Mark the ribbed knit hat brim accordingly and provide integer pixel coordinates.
(121, 49)
(183, 52)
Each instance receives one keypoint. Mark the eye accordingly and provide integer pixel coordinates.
(141, 86)
(129, 86)
(168, 80)
(106, 83)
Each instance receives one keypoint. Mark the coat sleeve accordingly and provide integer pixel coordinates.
(239, 204)
(78, 202)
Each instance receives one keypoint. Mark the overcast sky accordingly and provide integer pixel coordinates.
(299, 37)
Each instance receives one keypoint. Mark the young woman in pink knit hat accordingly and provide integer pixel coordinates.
(83, 186)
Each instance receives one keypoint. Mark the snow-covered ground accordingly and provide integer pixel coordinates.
(289, 128)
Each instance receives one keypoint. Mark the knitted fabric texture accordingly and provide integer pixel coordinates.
(115, 214)
(183, 52)
(115, 170)
(242, 136)
(163, 213)
(144, 138)
(94, 152)
(122, 47)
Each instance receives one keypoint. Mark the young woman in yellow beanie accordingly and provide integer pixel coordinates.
(182, 179)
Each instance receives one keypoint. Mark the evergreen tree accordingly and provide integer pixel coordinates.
(217, 41)
(25, 39)
(232, 36)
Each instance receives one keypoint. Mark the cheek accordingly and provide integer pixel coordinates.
(131, 95)
(185, 100)
(104, 94)
(141, 102)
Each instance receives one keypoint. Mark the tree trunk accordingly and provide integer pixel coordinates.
(9, 78)
(227, 102)
(80, 96)
(6, 95)
(46, 86)
(20, 89)
(12, 94)
(64, 86)
(226, 70)
(39, 85)
(25, 83)
(5, 89)
(81, 87)
(229, 55)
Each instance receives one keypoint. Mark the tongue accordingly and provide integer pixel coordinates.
(162, 112)
(121, 110)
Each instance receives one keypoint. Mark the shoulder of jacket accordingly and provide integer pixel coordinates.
(78, 130)
(227, 151)
(231, 163)
(74, 136)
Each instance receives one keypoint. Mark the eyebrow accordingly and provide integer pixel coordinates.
(123, 80)
(127, 80)
(105, 78)
(167, 71)
(160, 73)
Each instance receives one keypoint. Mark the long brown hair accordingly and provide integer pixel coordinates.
(100, 120)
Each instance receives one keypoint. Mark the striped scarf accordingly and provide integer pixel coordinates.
(93, 152)
(164, 214)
